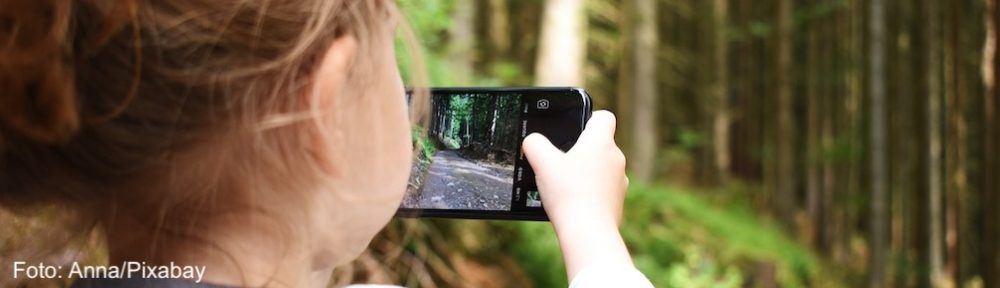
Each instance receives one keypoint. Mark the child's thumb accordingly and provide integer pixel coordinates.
(540, 152)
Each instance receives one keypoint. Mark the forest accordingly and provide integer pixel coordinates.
(467, 159)
(482, 127)
(778, 143)
(831, 143)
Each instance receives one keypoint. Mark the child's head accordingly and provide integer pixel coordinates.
(192, 117)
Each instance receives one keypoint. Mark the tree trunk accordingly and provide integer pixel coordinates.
(990, 239)
(462, 41)
(903, 151)
(876, 86)
(644, 91)
(499, 27)
(955, 152)
(563, 44)
(704, 104)
(933, 175)
(813, 149)
(784, 196)
(829, 230)
(720, 127)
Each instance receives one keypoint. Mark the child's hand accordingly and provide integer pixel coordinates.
(583, 191)
(585, 184)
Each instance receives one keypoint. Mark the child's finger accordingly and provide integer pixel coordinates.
(540, 152)
(600, 127)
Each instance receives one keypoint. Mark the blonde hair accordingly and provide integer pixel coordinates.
(110, 102)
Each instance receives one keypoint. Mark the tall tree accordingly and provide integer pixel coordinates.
(813, 130)
(706, 103)
(932, 79)
(830, 228)
(499, 29)
(990, 228)
(955, 149)
(644, 90)
(562, 50)
(462, 41)
(784, 133)
(720, 93)
(876, 86)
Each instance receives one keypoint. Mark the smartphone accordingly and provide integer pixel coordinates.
(469, 163)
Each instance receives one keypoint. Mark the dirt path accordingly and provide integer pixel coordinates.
(453, 182)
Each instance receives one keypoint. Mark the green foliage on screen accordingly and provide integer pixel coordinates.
(420, 138)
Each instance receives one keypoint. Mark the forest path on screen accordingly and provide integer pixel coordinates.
(454, 182)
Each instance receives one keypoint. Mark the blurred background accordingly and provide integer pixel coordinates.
(828, 143)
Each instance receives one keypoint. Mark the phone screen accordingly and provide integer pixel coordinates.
(469, 162)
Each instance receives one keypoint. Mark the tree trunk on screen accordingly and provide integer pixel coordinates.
(784, 196)
(990, 239)
(644, 91)
(876, 86)
(562, 48)
(721, 122)
(933, 117)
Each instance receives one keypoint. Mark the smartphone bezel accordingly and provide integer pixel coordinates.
(538, 215)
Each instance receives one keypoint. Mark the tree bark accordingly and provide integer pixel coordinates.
(933, 174)
(704, 105)
(876, 86)
(462, 41)
(956, 193)
(784, 196)
(990, 237)
(721, 119)
(813, 130)
(644, 91)
(562, 50)
(829, 230)
(499, 26)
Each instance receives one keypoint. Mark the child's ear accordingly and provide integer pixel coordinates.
(332, 74)
(328, 86)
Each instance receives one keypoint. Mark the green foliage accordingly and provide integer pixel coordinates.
(423, 142)
(536, 248)
(452, 143)
(760, 29)
(699, 271)
(506, 72)
(459, 111)
(819, 9)
(684, 239)
(690, 139)
(429, 21)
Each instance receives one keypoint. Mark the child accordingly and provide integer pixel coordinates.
(267, 141)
